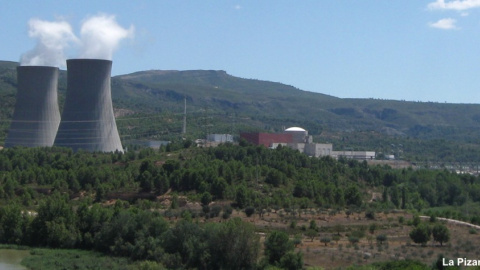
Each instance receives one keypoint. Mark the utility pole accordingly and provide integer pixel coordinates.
(184, 129)
(233, 123)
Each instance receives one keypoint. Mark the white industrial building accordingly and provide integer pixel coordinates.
(219, 138)
(354, 154)
(302, 142)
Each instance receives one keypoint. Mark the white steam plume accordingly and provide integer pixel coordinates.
(100, 36)
(52, 39)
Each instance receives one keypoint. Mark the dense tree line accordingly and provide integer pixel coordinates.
(37, 185)
(250, 176)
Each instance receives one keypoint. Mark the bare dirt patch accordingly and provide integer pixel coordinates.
(464, 240)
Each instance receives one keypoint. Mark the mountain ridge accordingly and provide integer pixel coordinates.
(217, 101)
(220, 86)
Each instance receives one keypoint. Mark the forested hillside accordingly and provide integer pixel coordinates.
(275, 103)
(149, 105)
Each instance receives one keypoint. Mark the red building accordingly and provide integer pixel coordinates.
(266, 139)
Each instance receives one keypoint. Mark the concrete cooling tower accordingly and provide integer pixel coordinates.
(88, 122)
(36, 117)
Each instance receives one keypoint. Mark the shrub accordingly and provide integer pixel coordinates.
(225, 215)
(370, 214)
(416, 220)
(313, 225)
(293, 224)
(249, 211)
(215, 211)
(381, 238)
(353, 239)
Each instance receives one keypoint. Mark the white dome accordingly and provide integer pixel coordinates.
(295, 129)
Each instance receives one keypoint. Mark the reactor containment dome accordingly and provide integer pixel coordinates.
(36, 116)
(88, 121)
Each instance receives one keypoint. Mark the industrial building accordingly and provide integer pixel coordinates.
(299, 135)
(88, 121)
(354, 154)
(267, 139)
(297, 138)
(219, 138)
(36, 116)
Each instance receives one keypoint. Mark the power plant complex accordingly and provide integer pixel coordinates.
(297, 138)
(87, 121)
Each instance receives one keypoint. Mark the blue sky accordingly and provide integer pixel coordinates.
(414, 50)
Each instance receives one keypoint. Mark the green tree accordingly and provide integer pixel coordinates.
(420, 234)
(275, 178)
(313, 225)
(404, 197)
(325, 240)
(297, 240)
(292, 261)
(395, 196)
(189, 241)
(277, 244)
(174, 204)
(55, 224)
(146, 181)
(241, 198)
(11, 224)
(353, 195)
(206, 198)
(441, 233)
(234, 245)
(336, 238)
(311, 234)
(353, 239)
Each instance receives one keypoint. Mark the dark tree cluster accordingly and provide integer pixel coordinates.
(124, 230)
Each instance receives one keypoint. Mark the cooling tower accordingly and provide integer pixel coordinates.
(88, 122)
(36, 116)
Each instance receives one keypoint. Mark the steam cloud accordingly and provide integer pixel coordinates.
(99, 37)
(52, 39)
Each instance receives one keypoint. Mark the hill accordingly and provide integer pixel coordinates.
(149, 104)
(274, 102)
